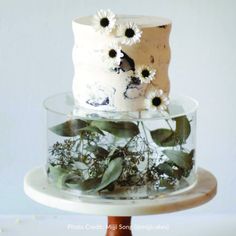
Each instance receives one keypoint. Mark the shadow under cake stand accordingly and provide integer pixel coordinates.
(119, 212)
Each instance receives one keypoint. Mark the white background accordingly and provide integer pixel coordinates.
(35, 61)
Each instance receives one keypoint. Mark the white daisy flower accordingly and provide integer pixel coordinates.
(156, 100)
(112, 55)
(104, 21)
(145, 73)
(129, 33)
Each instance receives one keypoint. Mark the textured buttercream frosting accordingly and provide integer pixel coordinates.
(96, 86)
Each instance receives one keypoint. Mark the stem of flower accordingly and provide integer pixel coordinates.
(148, 157)
(127, 144)
(169, 125)
(81, 142)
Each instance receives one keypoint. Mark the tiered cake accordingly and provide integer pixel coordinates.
(121, 137)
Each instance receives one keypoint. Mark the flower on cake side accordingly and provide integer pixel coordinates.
(145, 73)
(156, 100)
(104, 21)
(129, 33)
(112, 55)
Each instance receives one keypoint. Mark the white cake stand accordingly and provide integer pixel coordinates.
(119, 212)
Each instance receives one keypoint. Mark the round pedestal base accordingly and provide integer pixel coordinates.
(119, 212)
(36, 186)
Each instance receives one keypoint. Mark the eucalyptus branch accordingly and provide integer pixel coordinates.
(115, 153)
(148, 153)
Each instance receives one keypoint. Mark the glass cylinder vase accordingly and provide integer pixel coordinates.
(121, 155)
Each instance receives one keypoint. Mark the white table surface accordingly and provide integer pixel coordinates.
(177, 224)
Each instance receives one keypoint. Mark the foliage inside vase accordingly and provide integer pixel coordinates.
(99, 155)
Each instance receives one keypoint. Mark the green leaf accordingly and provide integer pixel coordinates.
(92, 129)
(112, 152)
(69, 128)
(111, 174)
(166, 183)
(63, 177)
(163, 137)
(183, 129)
(83, 185)
(181, 159)
(119, 129)
(167, 168)
(99, 152)
(56, 171)
(58, 174)
(169, 138)
(80, 165)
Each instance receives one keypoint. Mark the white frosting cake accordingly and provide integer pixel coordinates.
(121, 62)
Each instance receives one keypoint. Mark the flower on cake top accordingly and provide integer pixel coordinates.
(156, 100)
(129, 33)
(112, 55)
(145, 73)
(104, 21)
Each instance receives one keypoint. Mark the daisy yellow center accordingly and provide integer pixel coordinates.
(145, 73)
(112, 53)
(156, 101)
(104, 22)
(129, 33)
